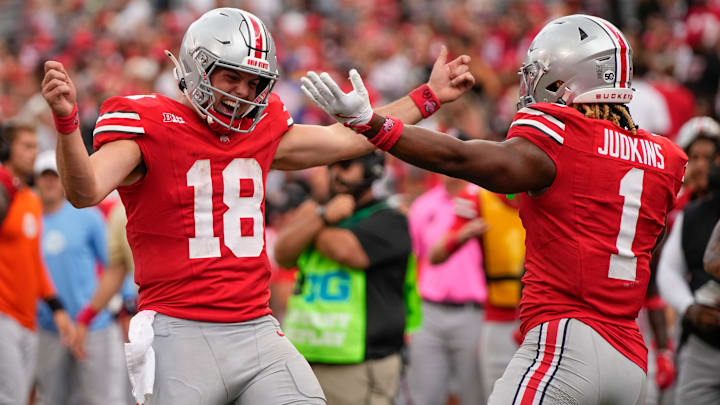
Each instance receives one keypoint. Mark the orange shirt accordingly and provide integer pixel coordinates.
(23, 277)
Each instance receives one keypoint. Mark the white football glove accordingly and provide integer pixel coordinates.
(352, 109)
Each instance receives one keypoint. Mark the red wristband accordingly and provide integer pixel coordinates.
(388, 134)
(68, 123)
(425, 100)
(86, 315)
(452, 243)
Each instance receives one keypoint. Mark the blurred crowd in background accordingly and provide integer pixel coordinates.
(116, 47)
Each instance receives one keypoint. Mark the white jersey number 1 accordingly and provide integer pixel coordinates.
(623, 265)
(242, 222)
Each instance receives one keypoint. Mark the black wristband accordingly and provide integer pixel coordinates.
(54, 303)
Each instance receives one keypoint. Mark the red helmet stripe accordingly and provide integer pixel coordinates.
(618, 68)
(624, 55)
(258, 37)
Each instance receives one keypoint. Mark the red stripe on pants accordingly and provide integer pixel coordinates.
(545, 363)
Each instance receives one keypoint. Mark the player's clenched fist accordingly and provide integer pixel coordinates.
(58, 90)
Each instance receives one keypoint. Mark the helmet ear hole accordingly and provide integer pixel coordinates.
(555, 86)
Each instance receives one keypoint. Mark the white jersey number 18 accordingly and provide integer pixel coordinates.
(242, 222)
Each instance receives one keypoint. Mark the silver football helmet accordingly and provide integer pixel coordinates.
(577, 59)
(227, 38)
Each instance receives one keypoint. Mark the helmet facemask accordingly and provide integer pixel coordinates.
(204, 95)
(530, 75)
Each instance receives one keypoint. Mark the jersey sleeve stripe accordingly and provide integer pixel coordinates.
(131, 115)
(532, 111)
(542, 127)
(140, 96)
(124, 129)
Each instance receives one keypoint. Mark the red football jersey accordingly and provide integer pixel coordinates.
(591, 234)
(196, 219)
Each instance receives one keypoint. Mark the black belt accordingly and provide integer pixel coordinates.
(450, 304)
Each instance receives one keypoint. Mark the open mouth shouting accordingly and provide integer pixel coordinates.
(227, 107)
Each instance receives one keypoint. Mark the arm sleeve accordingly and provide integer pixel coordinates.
(119, 118)
(384, 236)
(673, 287)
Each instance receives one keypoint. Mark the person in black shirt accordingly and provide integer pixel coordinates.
(348, 314)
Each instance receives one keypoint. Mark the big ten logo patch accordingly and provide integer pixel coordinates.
(168, 117)
(332, 287)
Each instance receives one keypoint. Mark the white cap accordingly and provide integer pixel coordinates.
(46, 161)
(696, 126)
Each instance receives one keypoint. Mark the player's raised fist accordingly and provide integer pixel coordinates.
(58, 90)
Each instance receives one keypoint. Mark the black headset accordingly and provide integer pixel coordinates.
(373, 166)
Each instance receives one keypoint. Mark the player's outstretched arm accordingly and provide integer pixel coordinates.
(515, 165)
(512, 166)
(87, 180)
(311, 145)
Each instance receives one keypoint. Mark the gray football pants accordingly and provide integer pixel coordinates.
(444, 349)
(18, 351)
(243, 363)
(698, 373)
(565, 362)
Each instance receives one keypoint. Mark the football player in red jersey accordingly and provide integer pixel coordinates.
(598, 191)
(191, 175)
